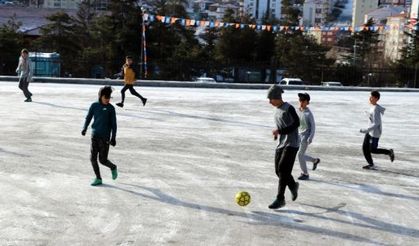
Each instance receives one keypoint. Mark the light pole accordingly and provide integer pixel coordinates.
(355, 47)
(416, 75)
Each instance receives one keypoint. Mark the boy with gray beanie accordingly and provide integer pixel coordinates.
(286, 131)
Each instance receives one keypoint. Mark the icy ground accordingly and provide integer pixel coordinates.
(183, 157)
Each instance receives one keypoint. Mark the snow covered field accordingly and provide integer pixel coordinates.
(183, 157)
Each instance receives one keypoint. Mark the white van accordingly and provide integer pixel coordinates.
(332, 83)
(291, 81)
(205, 80)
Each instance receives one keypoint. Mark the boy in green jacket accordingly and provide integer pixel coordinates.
(103, 125)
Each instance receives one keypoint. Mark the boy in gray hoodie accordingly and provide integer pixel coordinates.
(373, 132)
(306, 131)
(25, 74)
(286, 131)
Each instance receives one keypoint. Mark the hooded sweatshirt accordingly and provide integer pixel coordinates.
(24, 68)
(129, 73)
(375, 126)
(307, 125)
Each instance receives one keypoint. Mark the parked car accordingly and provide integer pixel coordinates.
(291, 81)
(205, 80)
(332, 83)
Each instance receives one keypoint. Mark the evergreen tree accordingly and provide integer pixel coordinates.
(58, 36)
(301, 56)
(11, 42)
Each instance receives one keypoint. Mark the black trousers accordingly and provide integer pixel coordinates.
(100, 146)
(284, 162)
(369, 146)
(23, 85)
(132, 90)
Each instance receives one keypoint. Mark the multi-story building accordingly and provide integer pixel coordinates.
(379, 16)
(202, 5)
(74, 4)
(261, 8)
(217, 10)
(360, 8)
(61, 4)
(315, 12)
(396, 37)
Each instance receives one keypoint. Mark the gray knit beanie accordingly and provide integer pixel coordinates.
(275, 92)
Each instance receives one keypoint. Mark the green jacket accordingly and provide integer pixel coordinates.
(104, 120)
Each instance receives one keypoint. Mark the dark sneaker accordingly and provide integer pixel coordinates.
(317, 161)
(120, 105)
(28, 99)
(294, 192)
(303, 176)
(114, 173)
(96, 182)
(368, 167)
(277, 204)
(391, 155)
(144, 101)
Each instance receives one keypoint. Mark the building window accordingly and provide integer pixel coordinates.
(318, 11)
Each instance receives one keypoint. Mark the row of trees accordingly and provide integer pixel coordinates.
(91, 39)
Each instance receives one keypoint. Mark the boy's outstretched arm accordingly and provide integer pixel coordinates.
(114, 128)
(89, 117)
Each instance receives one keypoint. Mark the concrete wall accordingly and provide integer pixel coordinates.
(186, 84)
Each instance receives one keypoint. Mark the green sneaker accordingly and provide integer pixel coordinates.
(96, 182)
(114, 173)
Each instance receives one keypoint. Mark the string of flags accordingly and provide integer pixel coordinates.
(274, 28)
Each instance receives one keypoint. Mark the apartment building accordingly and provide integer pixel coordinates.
(396, 37)
(260, 8)
(315, 12)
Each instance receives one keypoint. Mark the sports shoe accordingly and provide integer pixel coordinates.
(277, 204)
(370, 166)
(144, 101)
(96, 182)
(114, 173)
(391, 155)
(317, 161)
(294, 192)
(28, 99)
(120, 105)
(303, 176)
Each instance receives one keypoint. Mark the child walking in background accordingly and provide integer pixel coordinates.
(286, 131)
(104, 124)
(129, 73)
(373, 132)
(25, 74)
(306, 131)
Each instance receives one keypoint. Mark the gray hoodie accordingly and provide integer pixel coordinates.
(375, 125)
(24, 68)
(307, 125)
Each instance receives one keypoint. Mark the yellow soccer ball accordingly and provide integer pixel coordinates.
(242, 198)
